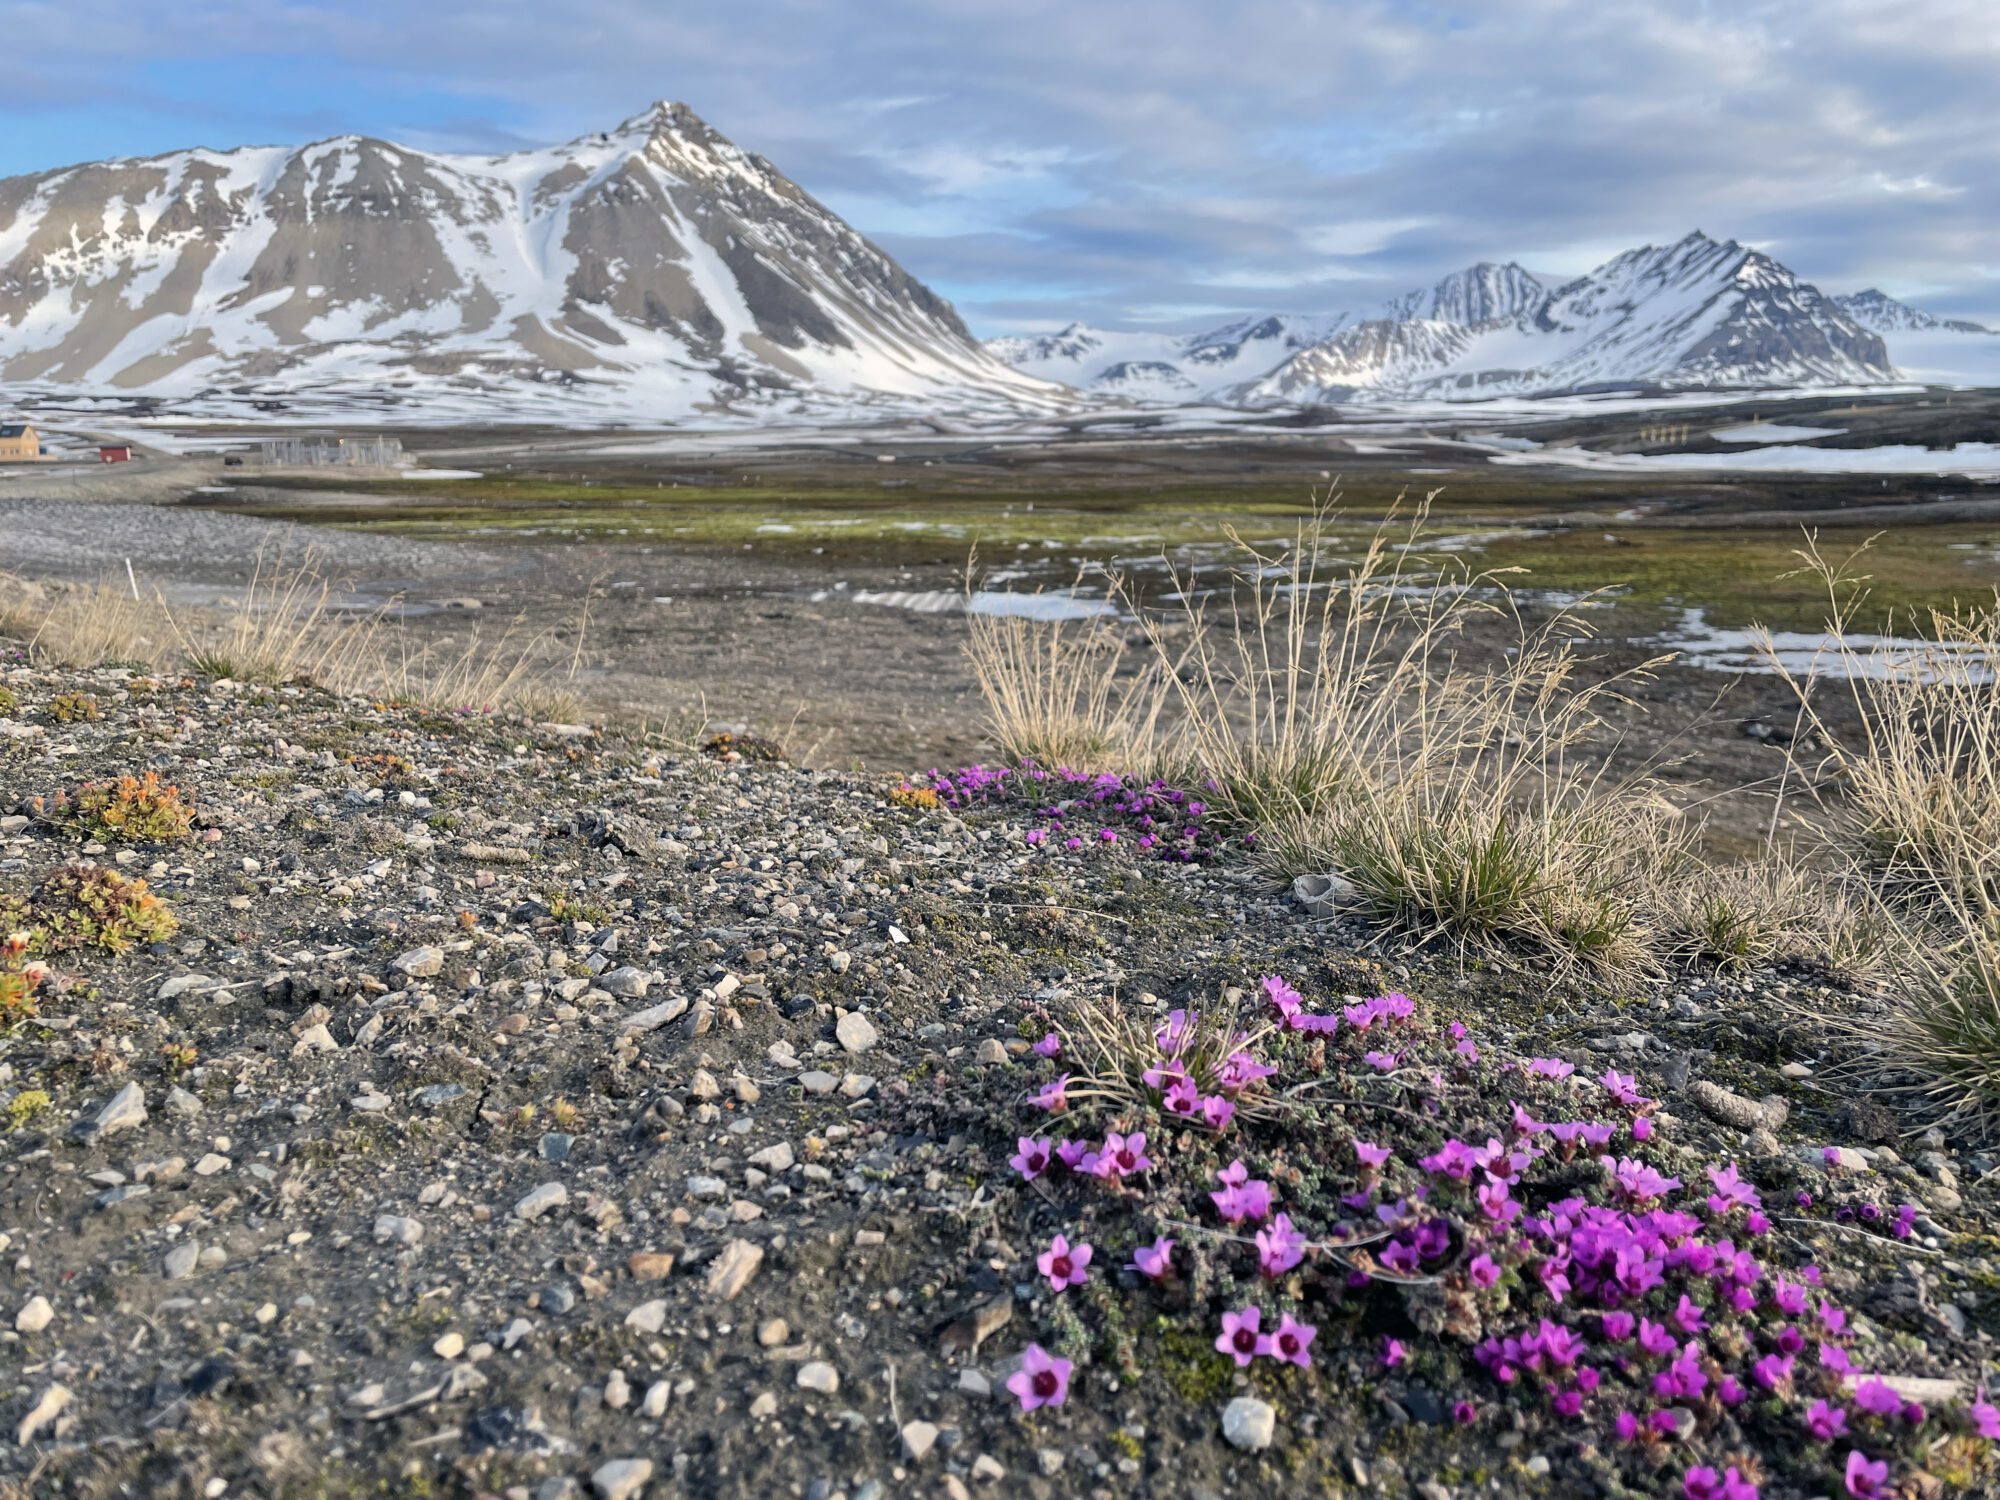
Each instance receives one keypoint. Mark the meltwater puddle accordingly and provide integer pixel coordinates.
(1053, 604)
(1816, 653)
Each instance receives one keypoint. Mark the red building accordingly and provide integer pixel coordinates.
(114, 454)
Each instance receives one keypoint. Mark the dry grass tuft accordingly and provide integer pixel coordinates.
(289, 625)
(1343, 705)
(1060, 694)
(1910, 805)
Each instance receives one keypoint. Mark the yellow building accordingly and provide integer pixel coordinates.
(18, 443)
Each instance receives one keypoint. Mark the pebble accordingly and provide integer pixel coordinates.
(648, 1317)
(181, 1260)
(617, 1390)
(126, 1110)
(538, 1202)
(622, 1478)
(397, 1229)
(773, 1332)
(654, 1404)
(421, 963)
(1249, 1423)
(34, 1316)
(918, 1440)
(856, 1032)
(625, 984)
(731, 1271)
(51, 1405)
(449, 1346)
(818, 1375)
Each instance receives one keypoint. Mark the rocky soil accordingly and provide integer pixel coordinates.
(524, 1111)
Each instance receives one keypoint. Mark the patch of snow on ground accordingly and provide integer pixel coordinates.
(1772, 432)
(1974, 460)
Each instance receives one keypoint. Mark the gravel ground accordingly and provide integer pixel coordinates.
(83, 539)
(525, 1113)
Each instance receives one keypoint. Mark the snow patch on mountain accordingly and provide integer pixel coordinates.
(652, 271)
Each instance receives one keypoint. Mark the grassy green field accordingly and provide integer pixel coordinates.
(1568, 534)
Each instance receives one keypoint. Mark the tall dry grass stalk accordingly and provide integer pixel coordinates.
(1393, 716)
(1063, 694)
(289, 625)
(86, 624)
(1908, 787)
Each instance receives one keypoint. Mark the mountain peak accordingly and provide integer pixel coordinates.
(660, 270)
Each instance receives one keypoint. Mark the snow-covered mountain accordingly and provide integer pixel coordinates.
(652, 271)
(1922, 346)
(1700, 313)
(1172, 367)
(1478, 294)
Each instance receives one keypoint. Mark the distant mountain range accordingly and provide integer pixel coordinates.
(655, 270)
(1697, 314)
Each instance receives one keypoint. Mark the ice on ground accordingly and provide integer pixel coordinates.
(442, 474)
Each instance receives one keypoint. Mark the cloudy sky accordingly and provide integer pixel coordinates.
(1143, 161)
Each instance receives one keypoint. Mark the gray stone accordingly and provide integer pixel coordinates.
(1249, 1424)
(181, 1260)
(1324, 895)
(627, 983)
(397, 1229)
(126, 1110)
(421, 963)
(648, 1317)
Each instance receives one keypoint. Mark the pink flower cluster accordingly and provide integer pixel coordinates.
(1599, 1284)
(1076, 810)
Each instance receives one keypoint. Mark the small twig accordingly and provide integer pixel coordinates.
(1855, 1229)
(895, 1415)
(1077, 911)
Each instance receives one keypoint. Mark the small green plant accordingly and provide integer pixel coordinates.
(8, 702)
(75, 708)
(132, 809)
(27, 1107)
(84, 907)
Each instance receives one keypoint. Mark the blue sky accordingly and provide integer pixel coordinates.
(1170, 161)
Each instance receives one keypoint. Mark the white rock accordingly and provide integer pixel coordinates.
(774, 1159)
(538, 1202)
(655, 1403)
(622, 1478)
(51, 1405)
(648, 1317)
(1249, 1424)
(818, 1375)
(856, 1032)
(918, 1440)
(617, 1390)
(449, 1345)
(34, 1316)
(181, 1260)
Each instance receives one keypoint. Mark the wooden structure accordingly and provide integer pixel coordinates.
(114, 453)
(364, 453)
(19, 443)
